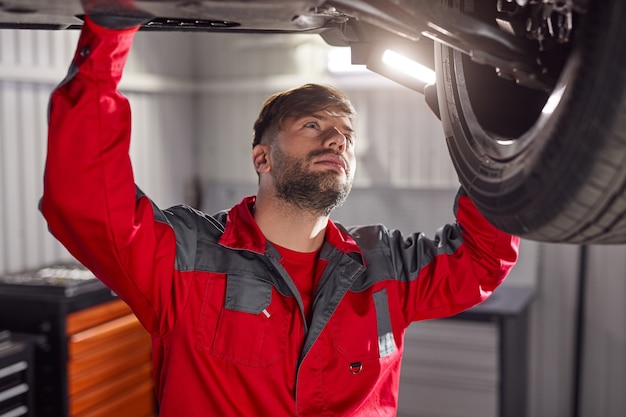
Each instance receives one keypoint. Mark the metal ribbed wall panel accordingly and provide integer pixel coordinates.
(22, 120)
(401, 141)
(31, 64)
(24, 240)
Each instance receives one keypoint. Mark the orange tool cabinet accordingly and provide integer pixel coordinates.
(92, 357)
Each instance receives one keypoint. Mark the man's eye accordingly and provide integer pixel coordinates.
(312, 125)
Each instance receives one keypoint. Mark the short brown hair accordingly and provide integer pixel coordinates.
(297, 102)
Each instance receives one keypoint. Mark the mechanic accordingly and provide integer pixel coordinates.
(270, 308)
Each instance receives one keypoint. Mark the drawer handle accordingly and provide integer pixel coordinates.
(13, 392)
(13, 369)
(22, 410)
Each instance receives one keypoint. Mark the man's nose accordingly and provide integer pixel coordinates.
(336, 139)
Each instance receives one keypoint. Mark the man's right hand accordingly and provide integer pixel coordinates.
(115, 14)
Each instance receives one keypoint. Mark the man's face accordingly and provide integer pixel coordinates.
(313, 161)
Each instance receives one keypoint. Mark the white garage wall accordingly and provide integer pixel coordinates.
(31, 64)
(21, 154)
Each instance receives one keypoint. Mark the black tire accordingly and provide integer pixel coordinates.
(558, 177)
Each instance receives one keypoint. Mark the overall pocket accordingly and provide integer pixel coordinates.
(250, 331)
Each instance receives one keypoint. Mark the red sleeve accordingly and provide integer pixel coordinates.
(461, 267)
(90, 200)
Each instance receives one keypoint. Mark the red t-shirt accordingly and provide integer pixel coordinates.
(305, 269)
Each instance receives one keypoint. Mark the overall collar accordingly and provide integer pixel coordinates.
(243, 233)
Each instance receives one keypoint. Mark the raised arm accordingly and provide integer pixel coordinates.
(90, 200)
(457, 269)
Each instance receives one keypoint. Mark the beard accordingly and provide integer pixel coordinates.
(316, 192)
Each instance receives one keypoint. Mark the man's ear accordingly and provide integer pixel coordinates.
(260, 158)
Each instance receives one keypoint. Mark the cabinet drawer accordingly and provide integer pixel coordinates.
(109, 368)
(113, 332)
(431, 399)
(136, 402)
(451, 345)
(87, 371)
(99, 394)
(450, 368)
(94, 316)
